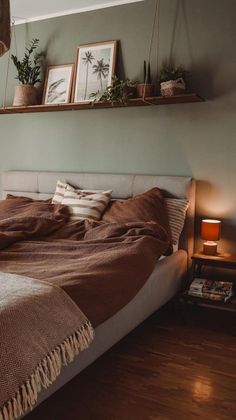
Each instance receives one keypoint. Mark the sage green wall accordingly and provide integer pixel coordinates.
(189, 139)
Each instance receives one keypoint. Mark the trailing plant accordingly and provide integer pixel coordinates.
(118, 91)
(172, 73)
(29, 67)
(147, 78)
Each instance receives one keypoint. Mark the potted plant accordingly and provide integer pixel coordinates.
(28, 70)
(172, 80)
(119, 91)
(146, 89)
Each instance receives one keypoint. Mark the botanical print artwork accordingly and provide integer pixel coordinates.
(95, 68)
(58, 84)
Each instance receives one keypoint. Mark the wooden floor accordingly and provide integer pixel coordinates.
(165, 369)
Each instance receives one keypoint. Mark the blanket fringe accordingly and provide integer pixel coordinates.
(46, 372)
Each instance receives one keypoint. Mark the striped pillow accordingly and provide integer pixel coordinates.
(86, 204)
(61, 188)
(176, 209)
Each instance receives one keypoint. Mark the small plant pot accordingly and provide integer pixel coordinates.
(173, 87)
(25, 95)
(145, 90)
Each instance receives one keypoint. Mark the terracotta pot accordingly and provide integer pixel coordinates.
(145, 90)
(25, 95)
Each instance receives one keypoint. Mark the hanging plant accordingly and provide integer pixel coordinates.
(173, 80)
(172, 73)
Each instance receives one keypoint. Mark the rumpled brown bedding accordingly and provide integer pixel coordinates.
(100, 265)
(41, 327)
(23, 218)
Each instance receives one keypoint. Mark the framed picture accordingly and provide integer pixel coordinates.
(58, 84)
(95, 66)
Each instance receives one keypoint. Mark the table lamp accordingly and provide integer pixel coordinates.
(210, 232)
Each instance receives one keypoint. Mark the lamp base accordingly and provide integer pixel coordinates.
(210, 248)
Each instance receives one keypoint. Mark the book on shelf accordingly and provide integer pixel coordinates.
(211, 289)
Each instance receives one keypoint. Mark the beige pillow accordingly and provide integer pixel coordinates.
(86, 204)
(61, 188)
(176, 209)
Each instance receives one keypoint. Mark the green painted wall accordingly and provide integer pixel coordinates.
(189, 139)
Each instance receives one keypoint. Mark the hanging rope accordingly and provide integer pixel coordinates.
(176, 20)
(153, 30)
(6, 84)
(158, 36)
(13, 32)
(156, 22)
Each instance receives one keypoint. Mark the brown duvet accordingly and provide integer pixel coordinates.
(100, 265)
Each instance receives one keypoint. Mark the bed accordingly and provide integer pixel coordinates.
(155, 292)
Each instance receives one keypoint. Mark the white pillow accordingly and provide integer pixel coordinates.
(176, 209)
(61, 188)
(86, 204)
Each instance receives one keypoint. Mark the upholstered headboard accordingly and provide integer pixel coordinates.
(41, 185)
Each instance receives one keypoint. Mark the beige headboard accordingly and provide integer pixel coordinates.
(41, 185)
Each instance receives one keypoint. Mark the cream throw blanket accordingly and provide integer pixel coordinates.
(41, 329)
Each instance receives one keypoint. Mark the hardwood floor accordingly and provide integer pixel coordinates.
(165, 369)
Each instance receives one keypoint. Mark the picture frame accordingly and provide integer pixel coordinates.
(58, 84)
(94, 69)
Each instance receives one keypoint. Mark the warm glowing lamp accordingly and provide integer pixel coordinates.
(210, 232)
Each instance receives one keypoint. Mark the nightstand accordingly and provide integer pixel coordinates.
(220, 261)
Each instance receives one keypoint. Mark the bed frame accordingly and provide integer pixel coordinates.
(167, 276)
(41, 185)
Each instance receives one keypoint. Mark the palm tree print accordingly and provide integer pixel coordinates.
(101, 70)
(88, 59)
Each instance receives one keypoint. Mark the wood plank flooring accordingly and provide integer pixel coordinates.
(165, 369)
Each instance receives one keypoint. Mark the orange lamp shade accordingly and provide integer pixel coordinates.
(210, 229)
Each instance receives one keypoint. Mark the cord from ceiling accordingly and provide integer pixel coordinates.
(156, 23)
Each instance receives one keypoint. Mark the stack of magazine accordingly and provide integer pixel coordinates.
(210, 289)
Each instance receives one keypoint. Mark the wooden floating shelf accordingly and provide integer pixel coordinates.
(156, 100)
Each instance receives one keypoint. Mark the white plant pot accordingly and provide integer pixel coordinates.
(173, 87)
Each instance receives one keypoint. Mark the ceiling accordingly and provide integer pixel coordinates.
(30, 10)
